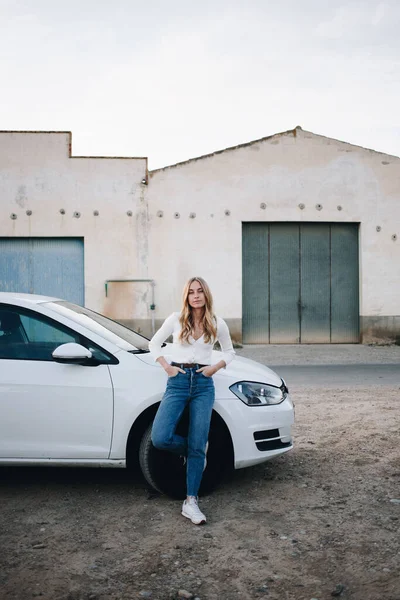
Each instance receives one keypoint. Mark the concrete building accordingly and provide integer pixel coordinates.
(71, 223)
(296, 233)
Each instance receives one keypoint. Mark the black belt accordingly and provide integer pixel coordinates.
(188, 365)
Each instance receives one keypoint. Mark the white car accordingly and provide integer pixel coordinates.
(77, 388)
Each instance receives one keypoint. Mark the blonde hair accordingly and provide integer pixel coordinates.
(186, 317)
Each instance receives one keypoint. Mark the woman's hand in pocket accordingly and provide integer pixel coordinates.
(173, 371)
(207, 371)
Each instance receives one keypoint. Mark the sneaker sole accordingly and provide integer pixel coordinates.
(202, 522)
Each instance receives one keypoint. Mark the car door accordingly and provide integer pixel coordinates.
(50, 410)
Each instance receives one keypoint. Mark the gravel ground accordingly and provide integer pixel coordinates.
(321, 521)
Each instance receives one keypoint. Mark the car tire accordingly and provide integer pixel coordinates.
(165, 472)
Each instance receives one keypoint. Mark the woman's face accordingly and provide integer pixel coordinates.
(196, 297)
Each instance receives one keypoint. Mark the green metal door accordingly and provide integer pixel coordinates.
(300, 283)
(344, 284)
(284, 325)
(314, 282)
(256, 283)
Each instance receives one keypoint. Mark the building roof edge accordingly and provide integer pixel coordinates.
(292, 132)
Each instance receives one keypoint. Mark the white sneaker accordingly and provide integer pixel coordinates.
(190, 510)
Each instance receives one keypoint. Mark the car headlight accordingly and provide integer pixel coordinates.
(259, 394)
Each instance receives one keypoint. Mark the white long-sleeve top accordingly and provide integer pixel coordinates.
(196, 351)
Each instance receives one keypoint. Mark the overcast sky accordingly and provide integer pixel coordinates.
(174, 79)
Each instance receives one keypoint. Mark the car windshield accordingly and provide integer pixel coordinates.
(107, 328)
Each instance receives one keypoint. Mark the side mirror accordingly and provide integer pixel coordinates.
(71, 354)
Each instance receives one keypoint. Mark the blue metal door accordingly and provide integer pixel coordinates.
(48, 266)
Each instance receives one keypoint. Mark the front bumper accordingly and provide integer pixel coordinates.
(258, 433)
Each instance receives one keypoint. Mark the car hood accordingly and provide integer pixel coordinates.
(240, 369)
(247, 369)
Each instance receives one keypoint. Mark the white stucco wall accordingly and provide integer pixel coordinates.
(282, 171)
(37, 173)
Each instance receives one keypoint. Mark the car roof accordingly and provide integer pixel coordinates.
(10, 297)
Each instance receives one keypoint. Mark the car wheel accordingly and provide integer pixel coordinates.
(166, 472)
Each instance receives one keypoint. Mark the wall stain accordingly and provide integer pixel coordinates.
(21, 197)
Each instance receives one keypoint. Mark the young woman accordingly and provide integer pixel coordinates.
(195, 330)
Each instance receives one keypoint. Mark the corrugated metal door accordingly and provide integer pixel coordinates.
(314, 283)
(300, 283)
(344, 284)
(48, 266)
(284, 283)
(255, 283)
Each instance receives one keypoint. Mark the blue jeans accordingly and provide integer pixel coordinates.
(196, 390)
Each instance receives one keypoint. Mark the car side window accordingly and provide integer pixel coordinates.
(40, 332)
(98, 353)
(25, 335)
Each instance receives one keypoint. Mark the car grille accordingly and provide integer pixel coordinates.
(269, 439)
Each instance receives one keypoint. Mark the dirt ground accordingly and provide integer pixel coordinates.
(318, 522)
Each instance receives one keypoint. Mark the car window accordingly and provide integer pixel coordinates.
(39, 332)
(25, 335)
(28, 337)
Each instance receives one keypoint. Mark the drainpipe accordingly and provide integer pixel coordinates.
(152, 305)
